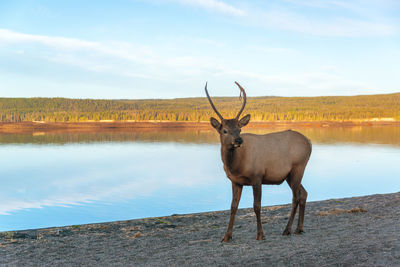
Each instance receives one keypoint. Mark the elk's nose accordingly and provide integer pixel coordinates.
(238, 140)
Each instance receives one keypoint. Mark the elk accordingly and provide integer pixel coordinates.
(254, 160)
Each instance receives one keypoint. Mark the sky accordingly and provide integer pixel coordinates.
(137, 49)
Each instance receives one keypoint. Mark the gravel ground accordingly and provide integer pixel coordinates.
(359, 231)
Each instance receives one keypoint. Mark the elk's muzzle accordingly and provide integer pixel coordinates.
(238, 142)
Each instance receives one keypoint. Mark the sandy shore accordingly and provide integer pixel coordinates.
(359, 231)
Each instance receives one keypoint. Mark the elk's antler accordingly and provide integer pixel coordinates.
(244, 99)
(212, 104)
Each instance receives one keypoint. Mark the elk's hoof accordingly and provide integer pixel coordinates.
(298, 231)
(286, 232)
(260, 236)
(226, 238)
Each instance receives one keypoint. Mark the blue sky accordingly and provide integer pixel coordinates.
(167, 49)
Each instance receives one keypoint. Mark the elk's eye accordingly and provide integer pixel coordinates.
(225, 131)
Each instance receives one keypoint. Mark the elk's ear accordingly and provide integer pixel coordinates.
(244, 121)
(215, 123)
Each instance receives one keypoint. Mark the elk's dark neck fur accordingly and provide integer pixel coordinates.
(229, 155)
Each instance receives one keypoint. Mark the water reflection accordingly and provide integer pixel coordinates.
(389, 135)
(97, 177)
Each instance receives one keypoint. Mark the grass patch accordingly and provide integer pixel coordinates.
(341, 211)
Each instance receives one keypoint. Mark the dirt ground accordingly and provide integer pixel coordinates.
(359, 231)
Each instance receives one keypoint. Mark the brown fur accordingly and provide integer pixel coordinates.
(253, 160)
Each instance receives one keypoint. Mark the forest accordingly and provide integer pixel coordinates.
(324, 108)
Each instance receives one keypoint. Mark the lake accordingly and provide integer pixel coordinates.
(56, 179)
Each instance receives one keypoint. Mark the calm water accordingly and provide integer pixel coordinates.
(74, 178)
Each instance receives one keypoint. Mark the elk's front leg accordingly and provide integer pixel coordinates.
(257, 209)
(236, 194)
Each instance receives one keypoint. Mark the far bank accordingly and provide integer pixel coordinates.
(26, 127)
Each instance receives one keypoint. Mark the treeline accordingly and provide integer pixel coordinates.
(327, 108)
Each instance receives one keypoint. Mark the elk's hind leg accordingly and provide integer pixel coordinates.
(302, 207)
(294, 181)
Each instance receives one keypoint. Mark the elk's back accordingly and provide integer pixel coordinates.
(273, 155)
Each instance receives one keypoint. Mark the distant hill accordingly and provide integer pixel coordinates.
(325, 108)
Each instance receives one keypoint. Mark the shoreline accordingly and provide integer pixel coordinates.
(355, 231)
(272, 207)
(28, 127)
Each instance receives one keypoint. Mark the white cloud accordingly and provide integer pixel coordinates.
(111, 57)
(70, 43)
(311, 83)
(334, 26)
(272, 50)
(343, 18)
(197, 41)
(214, 5)
(321, 4)
(359, 6)
(130, 69)
(117, 49)
(116, 57)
